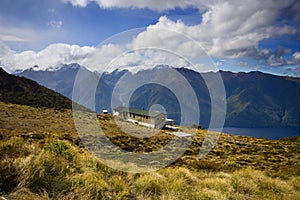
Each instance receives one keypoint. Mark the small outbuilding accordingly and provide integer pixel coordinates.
(169, 124)
(153, 119)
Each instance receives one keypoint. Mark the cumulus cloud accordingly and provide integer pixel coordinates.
(274, 60)
(147, 59)
(80, 3)
(161, 36)
(94, 58)
(277, 58)
(295, 10)
(229, 29)
(107, 57)
(53, 55)
(294, 60)
(296, 56)
(4, 50)
(100, 58)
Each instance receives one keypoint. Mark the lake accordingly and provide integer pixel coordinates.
(269, 133)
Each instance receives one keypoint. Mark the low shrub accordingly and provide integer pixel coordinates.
(60, 148)
(15, 147)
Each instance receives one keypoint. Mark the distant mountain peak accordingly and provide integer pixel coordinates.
(118, 71)
(61, 67)
(163, 67)
(73, 66)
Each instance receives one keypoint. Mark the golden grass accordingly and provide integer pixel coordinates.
(42, 158)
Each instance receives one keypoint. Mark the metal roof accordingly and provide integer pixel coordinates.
(182, 134)
(139, 112)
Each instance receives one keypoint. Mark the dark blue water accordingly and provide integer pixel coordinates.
(269, 133)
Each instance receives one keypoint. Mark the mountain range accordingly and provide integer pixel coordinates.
(254, 99)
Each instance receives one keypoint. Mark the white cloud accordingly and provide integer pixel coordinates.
(10, 33)
(100, 57)
(95, 59)
(169, 36)
(274, 60)
(230, 44)
(11, 38)
(147, 58)
(296, 56)
(20, 36)
(104, 58)
(80, 3)
(55, 24)
(229, 29)
(153, 4)
(5, 50)
(53, 55)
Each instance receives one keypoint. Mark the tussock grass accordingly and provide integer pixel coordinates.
(52, 175)
(90, 185)
(26, 194)
(42, 162)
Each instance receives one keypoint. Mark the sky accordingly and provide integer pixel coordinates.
(230, 35)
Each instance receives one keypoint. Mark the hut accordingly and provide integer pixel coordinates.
(153, 119)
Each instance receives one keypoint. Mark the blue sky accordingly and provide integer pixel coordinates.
(238, 35)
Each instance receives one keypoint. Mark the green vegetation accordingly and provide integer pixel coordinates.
(42, 157)
(19, 90)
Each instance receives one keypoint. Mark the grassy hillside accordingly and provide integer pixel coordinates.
(42, 157)
(19, 90)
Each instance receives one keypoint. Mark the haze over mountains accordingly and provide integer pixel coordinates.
(254, 99)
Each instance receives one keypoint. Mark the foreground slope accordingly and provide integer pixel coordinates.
(42, 158)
